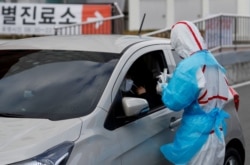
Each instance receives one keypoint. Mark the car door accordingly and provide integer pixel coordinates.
(142, 135)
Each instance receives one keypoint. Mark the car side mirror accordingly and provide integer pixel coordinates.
(134, 106)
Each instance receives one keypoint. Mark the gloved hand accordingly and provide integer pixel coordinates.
(162, 81)
(159, 87)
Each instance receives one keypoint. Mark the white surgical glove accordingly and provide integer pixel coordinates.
(162, 80)
(159, 87)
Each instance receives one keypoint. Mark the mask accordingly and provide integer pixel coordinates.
(126, 85)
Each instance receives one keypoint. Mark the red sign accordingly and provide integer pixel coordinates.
(93, 13)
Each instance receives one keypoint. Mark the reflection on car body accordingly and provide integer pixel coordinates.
(40, 78)
(61, 101)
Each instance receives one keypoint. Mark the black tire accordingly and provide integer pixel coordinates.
(232, 157)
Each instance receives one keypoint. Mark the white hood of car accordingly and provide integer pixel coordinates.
(21, 139)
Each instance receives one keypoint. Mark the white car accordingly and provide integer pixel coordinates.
(61, 102)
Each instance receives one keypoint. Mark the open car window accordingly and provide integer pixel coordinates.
(144, 73)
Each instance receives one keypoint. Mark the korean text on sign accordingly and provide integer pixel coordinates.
(41, 19)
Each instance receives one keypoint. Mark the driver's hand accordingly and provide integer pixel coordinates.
(140, 90)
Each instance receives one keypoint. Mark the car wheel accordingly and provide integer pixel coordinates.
(232, 157)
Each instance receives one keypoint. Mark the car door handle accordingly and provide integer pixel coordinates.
(174, 122)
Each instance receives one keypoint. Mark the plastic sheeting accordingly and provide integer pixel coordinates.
(181, 93)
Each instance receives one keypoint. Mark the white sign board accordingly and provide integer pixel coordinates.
(41, 19)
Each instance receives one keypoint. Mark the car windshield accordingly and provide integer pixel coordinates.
(52, 84)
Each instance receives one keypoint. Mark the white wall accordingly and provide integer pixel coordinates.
(223, 6)
(188, 10)
(157, 11)
(243, 7)
(134, 14)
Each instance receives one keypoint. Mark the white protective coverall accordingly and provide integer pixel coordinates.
(199, 86)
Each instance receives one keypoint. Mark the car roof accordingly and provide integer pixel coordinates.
(97, 43)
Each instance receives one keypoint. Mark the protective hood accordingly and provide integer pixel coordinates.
(186, 39)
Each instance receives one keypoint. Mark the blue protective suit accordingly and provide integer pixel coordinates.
(182, 92)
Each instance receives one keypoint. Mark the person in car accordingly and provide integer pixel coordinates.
(140, 83)
(131, 88)
(199, 86)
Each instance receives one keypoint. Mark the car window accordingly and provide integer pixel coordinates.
(52, 84)
(144, 73)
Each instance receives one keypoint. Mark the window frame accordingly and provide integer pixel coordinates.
(113, 121)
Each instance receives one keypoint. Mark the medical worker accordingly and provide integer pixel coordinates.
(199, 86)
